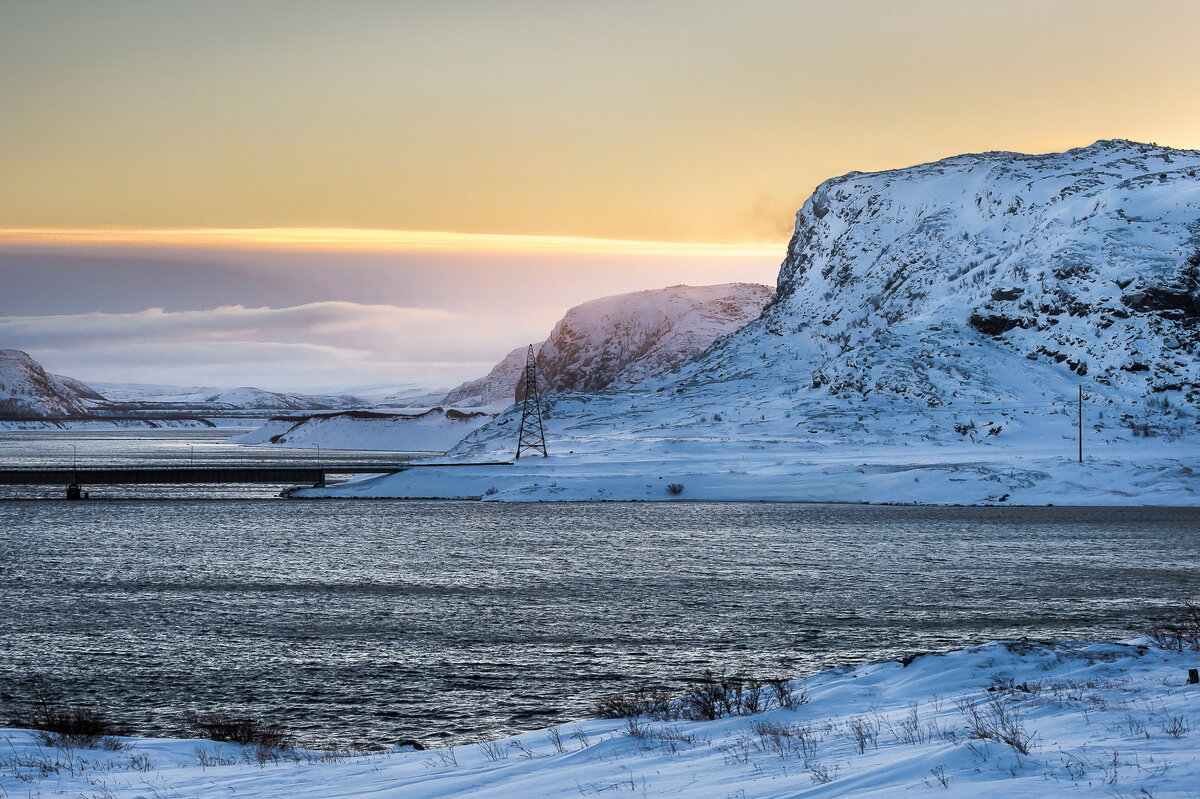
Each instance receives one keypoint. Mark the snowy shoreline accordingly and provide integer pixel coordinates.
(1125, 476)
(1009, 718)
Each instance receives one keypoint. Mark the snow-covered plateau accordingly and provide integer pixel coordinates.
(1005, 719)
(927, 341)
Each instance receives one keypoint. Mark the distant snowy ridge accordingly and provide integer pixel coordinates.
(27, 391)
(435, 430)
(929, 333)
(615, 342)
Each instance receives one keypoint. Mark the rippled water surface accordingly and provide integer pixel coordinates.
(378, 620)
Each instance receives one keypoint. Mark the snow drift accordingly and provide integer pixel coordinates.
(930, 330)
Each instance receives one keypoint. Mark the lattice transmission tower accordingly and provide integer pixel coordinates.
(532, 435)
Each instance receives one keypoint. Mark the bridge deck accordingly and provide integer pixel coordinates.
(282, 474)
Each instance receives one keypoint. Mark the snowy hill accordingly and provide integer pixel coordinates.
(27, 391)
(435, 430)
(931, 328)
(497, 388)
(615, 342)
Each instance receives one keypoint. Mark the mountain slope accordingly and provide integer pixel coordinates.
(615, 342)
(930, 330)
(494, 389)
(27, 391)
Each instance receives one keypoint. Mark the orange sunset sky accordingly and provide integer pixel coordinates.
(196, 156)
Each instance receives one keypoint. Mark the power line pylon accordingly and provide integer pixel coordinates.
(532, 435)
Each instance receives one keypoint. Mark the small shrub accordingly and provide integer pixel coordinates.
(245, 730)
(716, 696)
(644, 700)
(786, 740)
(61, 726)
(789, 700)
(675, 489)
(1181, 633)
(865, 731)
(554, 735)
(493, 750)
(1176, 727)
(993, 720)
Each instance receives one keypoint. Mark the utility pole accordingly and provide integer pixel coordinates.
(532, 435)
(1081, 423)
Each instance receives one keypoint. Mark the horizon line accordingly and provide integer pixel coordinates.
(339, 238)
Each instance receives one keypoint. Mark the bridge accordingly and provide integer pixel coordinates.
(278, 474)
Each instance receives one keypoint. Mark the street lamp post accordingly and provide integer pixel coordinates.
(73, 489)
(320, 475)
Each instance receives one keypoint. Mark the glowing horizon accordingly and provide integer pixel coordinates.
(377, 240)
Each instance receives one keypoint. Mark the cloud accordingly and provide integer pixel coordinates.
(324, 343)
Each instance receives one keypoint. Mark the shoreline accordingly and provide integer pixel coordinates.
(1015, 717)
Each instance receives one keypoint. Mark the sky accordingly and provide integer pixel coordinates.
(296, 193)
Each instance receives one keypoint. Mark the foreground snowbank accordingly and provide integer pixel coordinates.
(1097, 720)
(434, 430)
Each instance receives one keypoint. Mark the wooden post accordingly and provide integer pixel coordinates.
(1193, 676)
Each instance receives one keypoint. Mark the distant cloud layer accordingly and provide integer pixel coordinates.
(298, 319)
(304, 346)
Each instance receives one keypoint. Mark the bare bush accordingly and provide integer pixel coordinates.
(61, 725)
(784, 697)
(493, 750)
(245, 730)
(786, 740)
(644, 700)
(993, 720)
(675, 489)
(1183, 632)
(865, 732)
(1176, 727)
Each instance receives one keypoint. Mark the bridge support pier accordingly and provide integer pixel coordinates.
(320, 480)
(73, 491)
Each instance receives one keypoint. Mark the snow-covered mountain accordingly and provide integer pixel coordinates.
(497, 388)
(27, 391)
(938, 318)
(615, 342)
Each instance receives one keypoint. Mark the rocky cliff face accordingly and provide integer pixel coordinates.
(1081, 264)
(27, 391)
